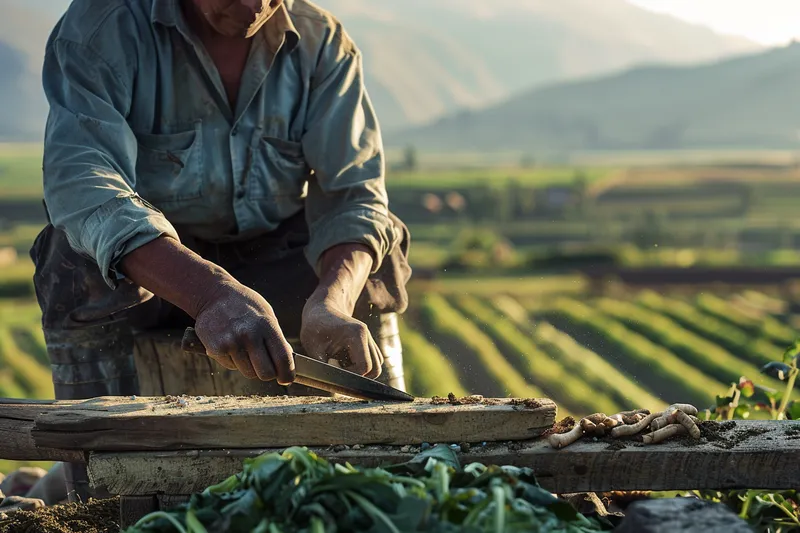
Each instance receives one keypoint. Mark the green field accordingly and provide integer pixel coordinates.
(506, 312)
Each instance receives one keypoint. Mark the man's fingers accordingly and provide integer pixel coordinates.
(225, 361)
(261, 361)
(361, 355)
(282, 357)
(243, 364)
(377, 359)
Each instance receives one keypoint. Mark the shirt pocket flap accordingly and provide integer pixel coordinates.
(169, 167)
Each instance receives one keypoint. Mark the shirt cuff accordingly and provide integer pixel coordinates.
(363, 226)
(119, 227)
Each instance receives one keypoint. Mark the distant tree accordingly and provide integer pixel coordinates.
(527, 161)
(410, 161)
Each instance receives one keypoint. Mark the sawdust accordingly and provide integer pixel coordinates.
(97, 516)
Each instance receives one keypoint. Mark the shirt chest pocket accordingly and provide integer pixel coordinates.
(280, 174)
(169, 168)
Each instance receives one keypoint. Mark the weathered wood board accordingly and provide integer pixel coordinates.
(16, 441)
(124, 424)
(754, 455)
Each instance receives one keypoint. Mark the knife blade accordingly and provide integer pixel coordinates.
(321, 376)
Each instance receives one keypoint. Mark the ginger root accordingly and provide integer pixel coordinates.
(633, 429)
(677, 419)
(664, 434)
(559, 440)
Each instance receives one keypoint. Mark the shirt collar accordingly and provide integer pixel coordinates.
(280, 25)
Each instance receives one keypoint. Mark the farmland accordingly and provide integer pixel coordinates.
(499, 305)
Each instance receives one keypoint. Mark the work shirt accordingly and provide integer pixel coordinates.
(142, 142)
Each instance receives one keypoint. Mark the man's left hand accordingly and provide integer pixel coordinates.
(329, 330)
(329, 333)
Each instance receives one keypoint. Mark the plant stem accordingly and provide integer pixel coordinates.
(789, 389)
(155, 516)
(751, 495)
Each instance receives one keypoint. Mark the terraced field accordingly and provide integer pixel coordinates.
(593, 353)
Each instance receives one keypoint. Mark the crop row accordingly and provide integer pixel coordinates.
(538, 367)
(694, 350)
(482, 368)
(655, 367)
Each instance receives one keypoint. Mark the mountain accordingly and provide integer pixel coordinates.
(23, 35)
(746, 102)
(427, 59)
(424, 59)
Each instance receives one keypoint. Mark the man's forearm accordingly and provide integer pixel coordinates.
(173, 272)
(344, 272)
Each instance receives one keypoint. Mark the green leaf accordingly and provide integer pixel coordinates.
(742, 412)
(724, 401)
(793, 410)
(791, 354)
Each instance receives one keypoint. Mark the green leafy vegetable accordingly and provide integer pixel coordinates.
(298, 492)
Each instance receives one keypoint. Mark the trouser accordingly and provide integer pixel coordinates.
(89, 328)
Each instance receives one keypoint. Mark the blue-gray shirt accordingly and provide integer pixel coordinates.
(141, 139)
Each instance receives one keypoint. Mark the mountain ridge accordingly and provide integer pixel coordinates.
(742, 102)
(424, 61)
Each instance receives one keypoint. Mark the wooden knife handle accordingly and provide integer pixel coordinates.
(191, 343)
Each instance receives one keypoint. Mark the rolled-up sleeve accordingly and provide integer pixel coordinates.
(347, 200)
(90, 158)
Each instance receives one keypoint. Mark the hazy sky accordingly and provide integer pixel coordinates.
(766, 21)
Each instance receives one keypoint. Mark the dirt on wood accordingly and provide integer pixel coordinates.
(562, 426)
(452, 399)
(97, 516)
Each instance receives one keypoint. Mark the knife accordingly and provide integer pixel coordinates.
(321, 376)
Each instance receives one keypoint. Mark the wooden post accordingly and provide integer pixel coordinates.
(133, 508)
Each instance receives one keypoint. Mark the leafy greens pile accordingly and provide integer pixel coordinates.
(298, 492)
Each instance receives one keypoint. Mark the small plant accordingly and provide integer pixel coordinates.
(765, 511)
(745, 397)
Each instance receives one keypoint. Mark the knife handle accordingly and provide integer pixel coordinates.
(192, 344)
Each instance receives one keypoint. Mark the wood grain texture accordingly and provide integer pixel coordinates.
(756, 455)
(16, 441)
(124, 424)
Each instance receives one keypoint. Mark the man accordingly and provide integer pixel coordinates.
(214, 163)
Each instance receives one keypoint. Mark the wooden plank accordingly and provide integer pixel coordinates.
(134, 508)
(754, 455)
(215, 423)
(16, 441)
(125, 424)
(170, 501)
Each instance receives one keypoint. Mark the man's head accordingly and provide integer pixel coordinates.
(236, 18)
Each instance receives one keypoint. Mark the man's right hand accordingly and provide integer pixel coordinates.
(240, 331)
(236, 324)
